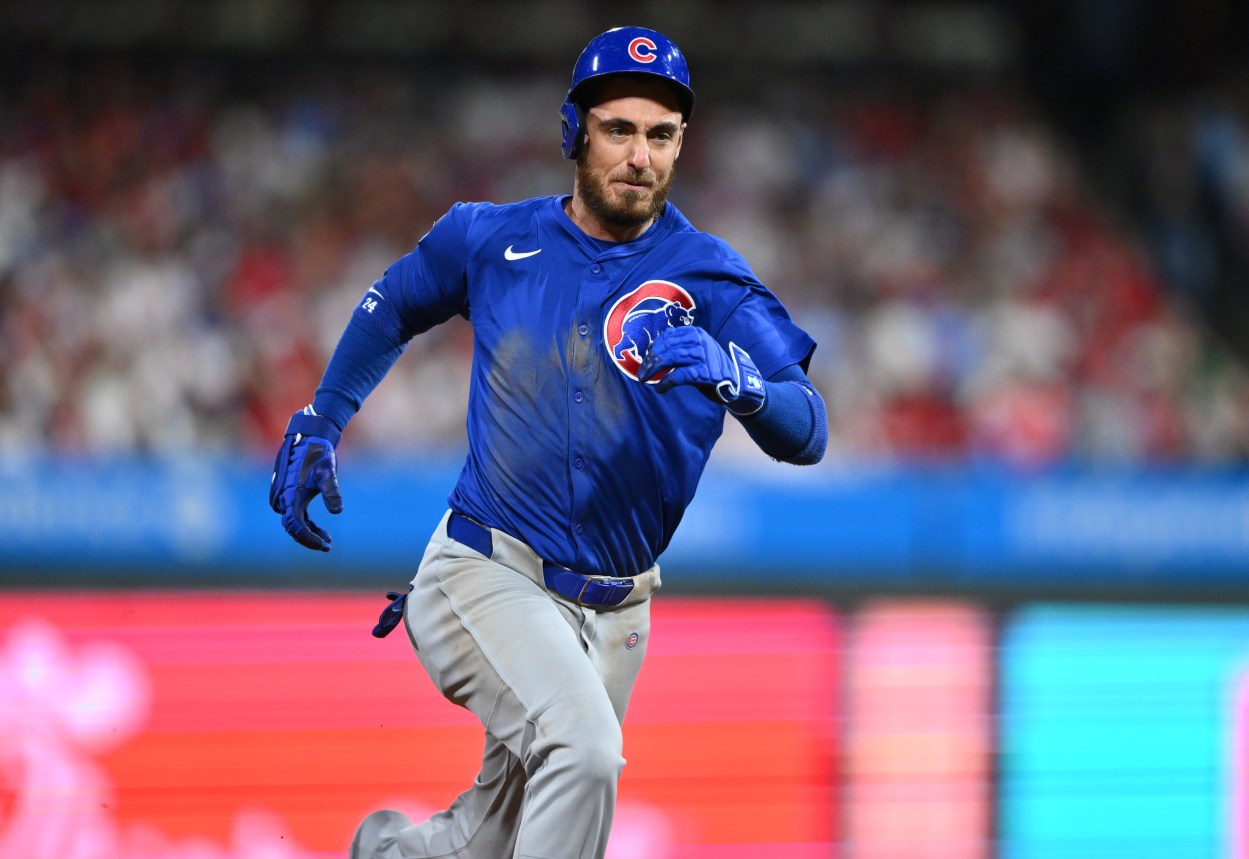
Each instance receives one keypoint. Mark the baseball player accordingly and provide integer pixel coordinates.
(610, 339)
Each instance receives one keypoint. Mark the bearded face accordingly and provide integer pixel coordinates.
(624, 197)
(627, 160)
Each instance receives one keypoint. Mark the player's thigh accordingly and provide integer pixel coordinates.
(495, 642)
(617, 648)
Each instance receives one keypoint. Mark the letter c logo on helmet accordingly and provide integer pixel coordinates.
(624, 50)
(643, 50)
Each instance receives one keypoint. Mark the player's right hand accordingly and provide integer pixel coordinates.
(306, 466)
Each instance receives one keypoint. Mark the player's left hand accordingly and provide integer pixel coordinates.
(306, 466)
(693, 357)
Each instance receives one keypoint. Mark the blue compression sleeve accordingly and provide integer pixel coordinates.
(362, 357)
(792, 426)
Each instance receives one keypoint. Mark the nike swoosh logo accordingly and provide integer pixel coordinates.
(512, 255)
(373, 290)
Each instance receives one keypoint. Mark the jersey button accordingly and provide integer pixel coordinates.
(583, 329)
(580, 529)
(596, 268)
(578, 396)
(578, 463)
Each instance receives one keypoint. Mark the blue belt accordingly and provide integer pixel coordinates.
(589, 591)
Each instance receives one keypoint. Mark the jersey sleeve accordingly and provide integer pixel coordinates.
(761, 325)
(416, 292)
(427, 286)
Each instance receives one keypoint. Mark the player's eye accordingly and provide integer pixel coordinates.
(663, 134)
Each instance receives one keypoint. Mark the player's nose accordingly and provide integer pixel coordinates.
(640, 155)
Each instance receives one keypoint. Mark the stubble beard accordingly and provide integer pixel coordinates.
(626, 209)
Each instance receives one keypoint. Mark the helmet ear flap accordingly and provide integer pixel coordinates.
(572, 121)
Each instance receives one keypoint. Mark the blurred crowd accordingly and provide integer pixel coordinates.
(178, 256)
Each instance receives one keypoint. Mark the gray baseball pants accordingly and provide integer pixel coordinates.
(548, 678)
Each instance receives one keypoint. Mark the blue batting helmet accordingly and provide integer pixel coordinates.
(634, 50)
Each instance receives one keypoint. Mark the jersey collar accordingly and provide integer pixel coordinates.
(598, 248)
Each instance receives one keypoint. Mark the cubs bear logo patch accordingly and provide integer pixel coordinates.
(637, 318)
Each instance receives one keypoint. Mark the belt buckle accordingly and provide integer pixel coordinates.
(585, 583)
(614, 592)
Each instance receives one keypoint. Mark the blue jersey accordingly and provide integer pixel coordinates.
(567, 450)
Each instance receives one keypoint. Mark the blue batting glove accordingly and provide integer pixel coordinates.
(306, 467)
(693, 357)
(392, 615)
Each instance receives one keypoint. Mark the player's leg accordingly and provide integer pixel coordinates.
(494, 641)
(613, 642)
(608, 639)
(616, 640)
(485, 817)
